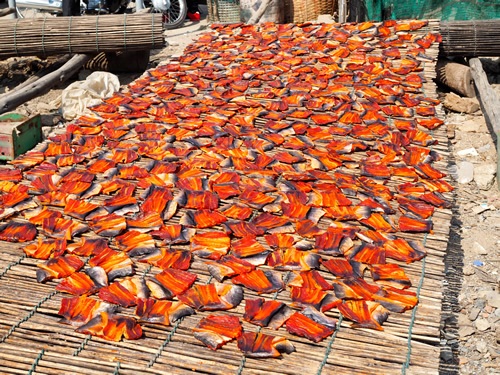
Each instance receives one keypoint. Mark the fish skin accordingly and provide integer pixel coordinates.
(161, 312)
(216, 330)
(261, 281)
(172, 282)
(210, 245)
(112, 327)
(59, 267)
(81, 309)
(17, 232)
(362, 315)
(266, 313)
(228, 266)
(45, 249)
(261, 345)
(213, 296)
(302, 325)
(79, 283)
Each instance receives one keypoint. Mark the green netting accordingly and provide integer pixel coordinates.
(449, 10)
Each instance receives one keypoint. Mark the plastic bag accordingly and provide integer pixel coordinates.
(79, 95)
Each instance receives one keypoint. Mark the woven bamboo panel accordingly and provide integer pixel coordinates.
(33, 341)
(297, 11)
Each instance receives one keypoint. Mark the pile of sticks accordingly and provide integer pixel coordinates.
(58, 35)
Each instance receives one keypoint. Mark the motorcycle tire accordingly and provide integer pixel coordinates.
(175, 15)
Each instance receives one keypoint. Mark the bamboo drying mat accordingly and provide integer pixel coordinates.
(32, 341)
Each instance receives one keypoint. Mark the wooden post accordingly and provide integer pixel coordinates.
(342, 11)
(489, 103)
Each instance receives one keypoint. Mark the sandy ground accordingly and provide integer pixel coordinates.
(471, 322)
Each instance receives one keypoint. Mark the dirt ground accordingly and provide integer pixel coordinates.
(471, 316)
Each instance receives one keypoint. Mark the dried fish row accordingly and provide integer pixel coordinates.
(288, 159)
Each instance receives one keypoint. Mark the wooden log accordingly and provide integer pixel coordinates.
(490, 104)
(456, 76)
(9, 102)
(58, 35)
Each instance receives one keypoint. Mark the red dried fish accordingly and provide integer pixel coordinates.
(210, 245)
(17, 232)
(45, 249)
(261, 281)
(112, 327)
(78, 310)
(202, 219)
(62, 228)
(161, 312)
(145, 221)
(261, 345)
(365, 314)
(266, 313)
(217, 330)
(58, 267)
(228, 266)
(79, 209)
(125, 292)
(292, 259)
(172, 234)
(169, 283)
(88, 246)
(108, 225)
(247, 247)
(79, 283)
(402, 250)
(343, 268)
(114, 263)
(213, 296)
(391, 275)
(409, 223)
(135, 243)
(310, 324)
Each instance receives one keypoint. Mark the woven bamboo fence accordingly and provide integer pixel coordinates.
(58, 35)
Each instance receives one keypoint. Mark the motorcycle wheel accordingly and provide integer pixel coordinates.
(175, 15)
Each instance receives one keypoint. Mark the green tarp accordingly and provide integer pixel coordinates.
(448, 10)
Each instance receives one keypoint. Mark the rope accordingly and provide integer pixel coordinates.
(406, 364)
(30, 314)
(244, 358)
(153, 29)
(35, 362)
(329, 346)
(82, 346)
(7, 269)
(125, 30)
(165, 343)
(69, 33)
(43, 34)
(97, 32)
(117, 369)
(169, 337)
(15, 37)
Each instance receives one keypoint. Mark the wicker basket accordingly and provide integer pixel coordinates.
(224, 11)
(297, 11)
